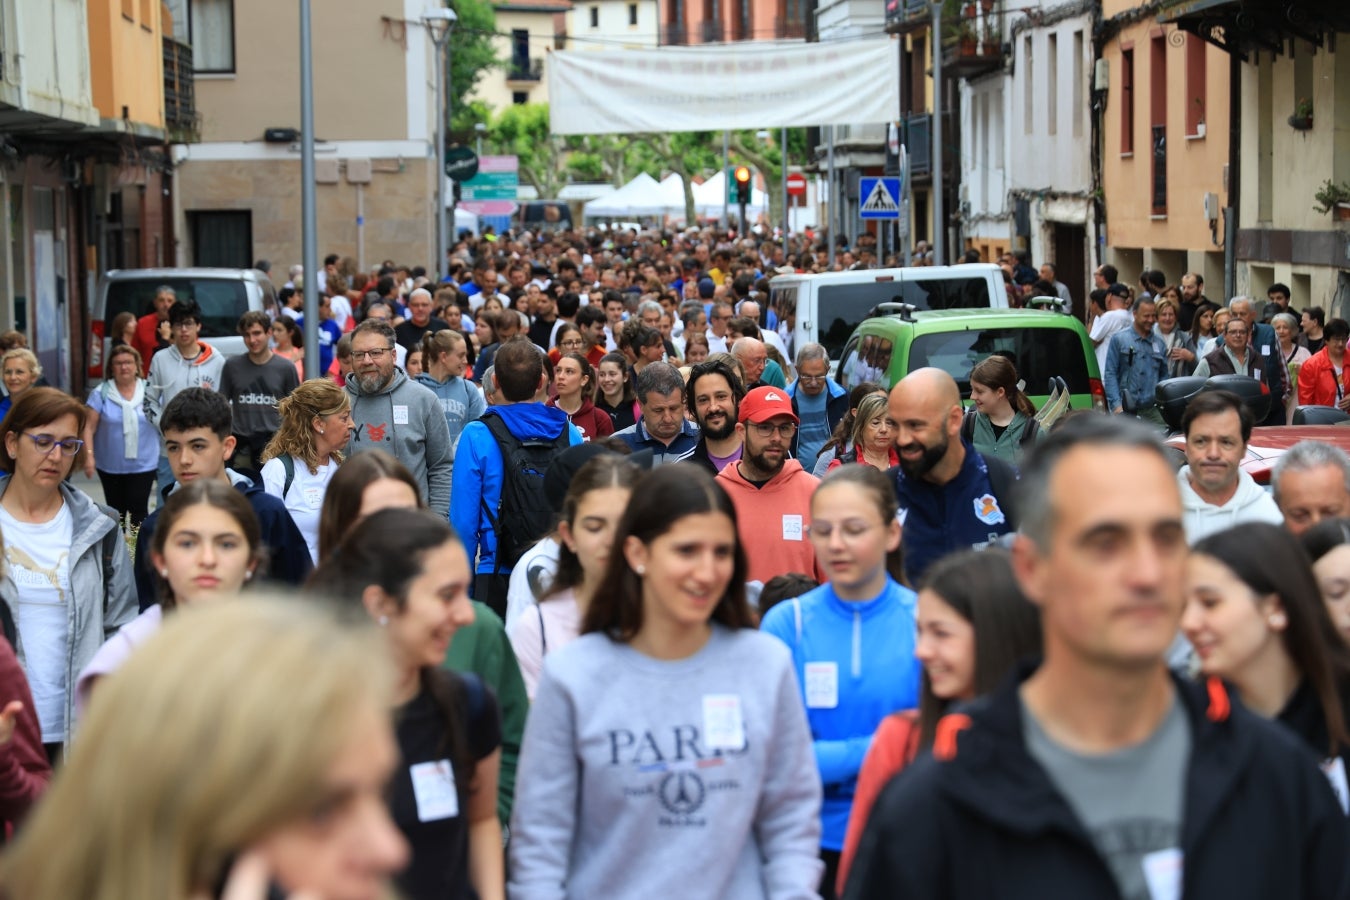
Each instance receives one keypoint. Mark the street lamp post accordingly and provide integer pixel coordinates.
(939, 213)
(479, 129)
(439, 22)
(309, 217)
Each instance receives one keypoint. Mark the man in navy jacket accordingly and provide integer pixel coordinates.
(1097, 772)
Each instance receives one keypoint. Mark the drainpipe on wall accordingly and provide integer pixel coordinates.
(1230, 212)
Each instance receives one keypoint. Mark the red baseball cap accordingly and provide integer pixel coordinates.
(765, 403)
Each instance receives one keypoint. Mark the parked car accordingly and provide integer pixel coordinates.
(1043, 345)
(549, 215)
(223, 294)
(827, 307)
(1268, 444)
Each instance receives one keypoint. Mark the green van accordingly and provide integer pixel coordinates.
(1042, 344)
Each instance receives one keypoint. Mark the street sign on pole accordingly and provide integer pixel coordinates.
(461, 163)
(497, 179)
(880, 198)
(796, 184)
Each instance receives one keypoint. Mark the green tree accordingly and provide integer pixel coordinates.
(471, 56)
(523, 130)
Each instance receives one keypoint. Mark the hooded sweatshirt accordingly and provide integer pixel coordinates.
(406, 419)
(478, 474)
(591, 422)
(171, 373)
(855, 665)
(773, 520)
(462, 401)
(1250, 503)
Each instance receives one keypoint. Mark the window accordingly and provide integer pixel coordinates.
(595, 17)
(1052, 83)
(147, 16)
(1079, 111)
(1127, 101)
(177, 11)
(222, 238)
(520, 98)
(1158, 120)
(520, 50)
(1028, 88)
(222, 300)
(632, 14)
(842, 306)
(1303, 74)
(211, 34)
(1038, 354)
(1195, 84)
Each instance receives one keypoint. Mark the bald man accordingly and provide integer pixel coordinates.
(951, 497)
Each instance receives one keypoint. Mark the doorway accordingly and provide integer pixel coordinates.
(1069, 244)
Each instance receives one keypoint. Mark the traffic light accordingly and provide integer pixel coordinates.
(742, 175)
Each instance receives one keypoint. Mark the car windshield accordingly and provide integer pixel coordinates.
(1038, 353)
(843, 306)
(223, 300)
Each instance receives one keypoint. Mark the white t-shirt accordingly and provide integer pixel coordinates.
(1107, 324)
(531, 576)
(37, 558)
(304, 500)
(543, 629)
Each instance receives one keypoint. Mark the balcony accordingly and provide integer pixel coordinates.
(675, 34)
(788, 30)
(180, 105)
(525, 70)
(710, 32)
(968, 56)
(905, 16)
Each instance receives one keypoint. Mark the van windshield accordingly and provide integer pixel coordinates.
(843, 306)
(1038, 354)
(222, 300)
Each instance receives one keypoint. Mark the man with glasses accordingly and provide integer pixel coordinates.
(771, 491)
(819, 402)
(718, 318)
(391, 412)
(1234, 356)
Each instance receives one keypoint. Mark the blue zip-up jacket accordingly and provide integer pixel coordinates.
(958, 515)
(477, 479)
(866, 649)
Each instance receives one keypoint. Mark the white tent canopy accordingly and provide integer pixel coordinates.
(643, 196)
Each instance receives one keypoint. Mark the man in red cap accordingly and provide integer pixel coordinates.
(772, 493)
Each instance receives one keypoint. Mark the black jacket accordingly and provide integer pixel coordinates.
(700, 456)
(980, 818)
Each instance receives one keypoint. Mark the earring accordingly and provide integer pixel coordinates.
(320, 431)
(163, 573)
(1277, 620)
(384, 620)
(641, 570)
(248, 576)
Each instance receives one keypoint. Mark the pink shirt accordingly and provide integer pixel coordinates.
(553, 623)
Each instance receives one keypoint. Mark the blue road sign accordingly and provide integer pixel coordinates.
(880, 198)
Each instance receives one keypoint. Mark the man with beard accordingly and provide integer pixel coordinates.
(391, 412)
(951, 497)
(713, 397)
(771, 492)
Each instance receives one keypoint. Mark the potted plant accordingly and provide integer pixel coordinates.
(968, 11)
(1302, 119)
(965, 38)
(991, 39)
(1334, 198)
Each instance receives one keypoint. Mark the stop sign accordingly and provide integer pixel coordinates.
(796, 184)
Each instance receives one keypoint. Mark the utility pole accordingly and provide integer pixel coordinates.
(439, 22)
(939, 214)
(309, 217)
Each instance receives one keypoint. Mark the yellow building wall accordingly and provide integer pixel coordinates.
(1195, 164)
(126, 60)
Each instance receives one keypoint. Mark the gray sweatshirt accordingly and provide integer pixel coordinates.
(405, 419)
(623, 793)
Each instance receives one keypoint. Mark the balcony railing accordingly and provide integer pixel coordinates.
(675, 34)
(785, 29)
(525, 70)
(180, 104)
(903, 16)
(710, 32)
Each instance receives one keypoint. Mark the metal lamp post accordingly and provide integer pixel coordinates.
(439, 22)
(309, 217)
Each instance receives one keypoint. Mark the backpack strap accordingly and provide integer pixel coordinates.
(287, 463)
(1029, 433)
(543, 633)
(968, 426)
(496, 426)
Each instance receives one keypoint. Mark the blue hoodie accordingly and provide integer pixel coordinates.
(862, 653)
(476, 485)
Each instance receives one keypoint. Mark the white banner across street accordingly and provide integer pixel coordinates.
(715, 87)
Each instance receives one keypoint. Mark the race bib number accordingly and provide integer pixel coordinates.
(434, 787)
(723, 726)
(792, 528)
(400, 415)
(1162, 871)
(822, 685)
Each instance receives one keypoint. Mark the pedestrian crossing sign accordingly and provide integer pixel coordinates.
(880, 198)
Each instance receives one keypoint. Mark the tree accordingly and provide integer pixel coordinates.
(471, 56)
(523, 130)
(767, 157)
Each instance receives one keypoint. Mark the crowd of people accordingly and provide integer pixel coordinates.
(584, 580)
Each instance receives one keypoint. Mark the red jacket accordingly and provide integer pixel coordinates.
(1317, 381)
(591, 422)
(146, 340)
(24, 768)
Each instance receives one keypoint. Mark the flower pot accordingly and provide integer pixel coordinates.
(968, 11)
(1301, 123)
(1342, 212)
(966, 46)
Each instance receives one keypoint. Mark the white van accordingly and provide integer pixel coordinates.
(825, 308)
(223, 294)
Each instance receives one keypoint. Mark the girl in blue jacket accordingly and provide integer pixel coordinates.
(852, 638)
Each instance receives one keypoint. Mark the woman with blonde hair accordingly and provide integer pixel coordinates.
(277, 751)
(873, 441)
(299, 461)
(20, 370)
